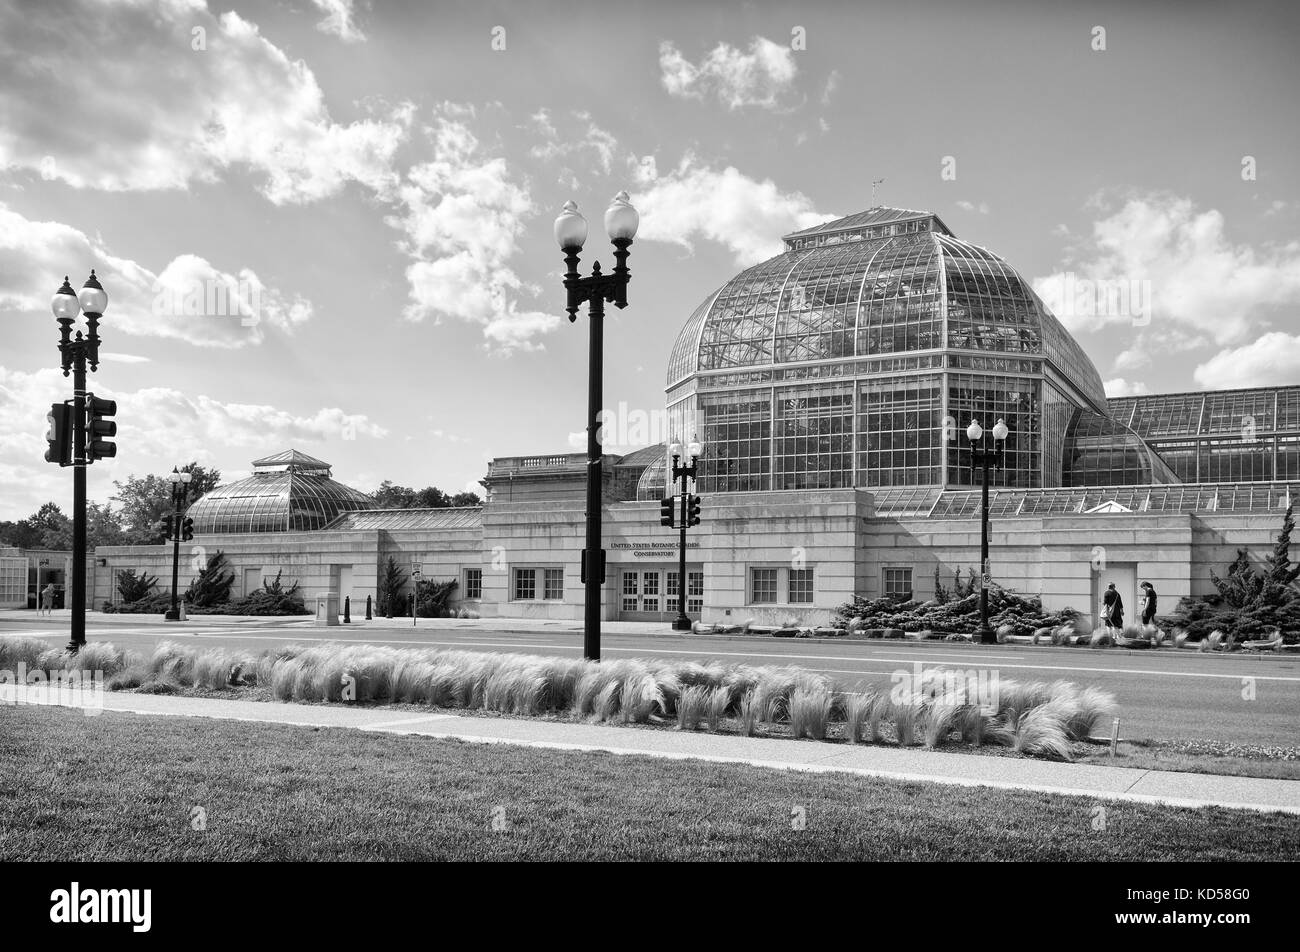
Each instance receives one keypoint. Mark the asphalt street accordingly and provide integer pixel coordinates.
(1165, 694)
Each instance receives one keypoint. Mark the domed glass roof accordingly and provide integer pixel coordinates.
(884, 281)
(288, 492)
(857, 356)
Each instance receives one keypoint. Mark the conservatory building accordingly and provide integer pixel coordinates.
(831, 387)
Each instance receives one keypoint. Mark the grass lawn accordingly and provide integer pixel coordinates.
(123, 787)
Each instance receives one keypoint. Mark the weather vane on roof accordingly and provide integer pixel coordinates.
(874, 184)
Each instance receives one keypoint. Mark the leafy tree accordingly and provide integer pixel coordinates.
(146, 502)
(134, 587)
(49, 528)
(213, 583)
(390, 588)
(389, 495)
(432, 597)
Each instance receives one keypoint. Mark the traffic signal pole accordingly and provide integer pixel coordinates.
(78, 637)
(682, 617)
(175, 613)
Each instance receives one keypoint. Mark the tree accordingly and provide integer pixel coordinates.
(390, 588)
(49, 528)
(389, 495)
(146, 502)
(134, 587)
(212, 585)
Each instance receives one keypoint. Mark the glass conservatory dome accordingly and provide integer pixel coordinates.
(858, 355)
(287, 492)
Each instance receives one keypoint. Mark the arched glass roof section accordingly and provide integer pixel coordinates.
(1101, 452)
(288, 492)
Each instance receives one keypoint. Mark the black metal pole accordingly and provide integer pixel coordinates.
(595, 566)
(78, 580)
(986, 633)
(175, 613)
(683, 622)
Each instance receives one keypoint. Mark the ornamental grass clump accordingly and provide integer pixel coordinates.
(1041, 731)
(690, 707)
(20, 649)
(810, 711)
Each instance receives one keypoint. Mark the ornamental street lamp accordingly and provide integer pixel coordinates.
(983, 456)
(689, 516)
(621, 221)
(76, 352)
(180, 529)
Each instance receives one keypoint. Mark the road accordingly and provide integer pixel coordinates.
(1163, 694)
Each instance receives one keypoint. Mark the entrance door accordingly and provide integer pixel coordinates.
(650, 593)
(1124, 575)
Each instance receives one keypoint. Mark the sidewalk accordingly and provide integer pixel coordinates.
(971, 770)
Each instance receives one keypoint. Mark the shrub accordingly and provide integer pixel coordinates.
(134, 587)
(810, 711)
(212, 585)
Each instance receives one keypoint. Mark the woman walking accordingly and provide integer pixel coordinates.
(47, 599)
(1112, 608)
(1148, 603)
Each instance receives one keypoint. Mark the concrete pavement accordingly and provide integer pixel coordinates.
(969, 770)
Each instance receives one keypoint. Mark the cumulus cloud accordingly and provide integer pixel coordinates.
(1119, 387)
(590, 141)
(339, 20)
(1272, 360)
(982, 208)
(216, 95)
(190, 299)
(745, 215)
(760, 76)
(1200, 282)
(463, 213)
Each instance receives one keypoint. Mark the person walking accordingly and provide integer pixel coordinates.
(1148, 603)
(47, 599)
(1112, 608)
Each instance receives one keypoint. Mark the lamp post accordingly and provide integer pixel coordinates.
(621, 221)
(982, 456)
(180, 496)
(696, 450)
(76, 352)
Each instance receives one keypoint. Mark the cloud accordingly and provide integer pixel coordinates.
(591, 140)
(1273, 360)
(982, 208)
(832, 84)
(188, 300)
(463, 213)
(156, 426)
(743, 214)
(1200, 282)
(180, 96)
(1119, 387)
(338, 20)
(759, 77)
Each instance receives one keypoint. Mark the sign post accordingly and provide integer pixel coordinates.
(416, 576)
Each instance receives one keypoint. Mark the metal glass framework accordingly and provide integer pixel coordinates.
(287, 492)
(468, 517)
(1220, 497)
(1227, 436)
(857, 356)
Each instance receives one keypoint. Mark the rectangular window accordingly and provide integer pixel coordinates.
(801, 586)
(762, 586)
(525, 584)
(650, 591)
(630, 590)
(473, 583)
(553, 589)
(898, 584)
(694, 592)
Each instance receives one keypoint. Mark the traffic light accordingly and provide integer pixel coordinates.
(666, 507)
(692, 510)
(98, 428)
(59, 434)
(187, 529)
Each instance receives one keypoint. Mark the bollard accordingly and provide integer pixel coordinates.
(1114, 737)
(347, 609)
(369, 616)
(411, 600)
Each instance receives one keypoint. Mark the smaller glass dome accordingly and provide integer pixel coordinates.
(288, 492)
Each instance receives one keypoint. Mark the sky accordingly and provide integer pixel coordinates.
(326, 224)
